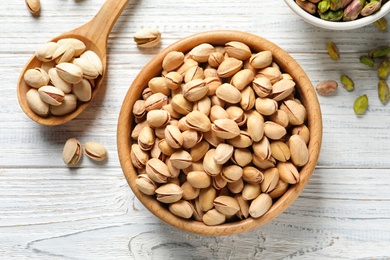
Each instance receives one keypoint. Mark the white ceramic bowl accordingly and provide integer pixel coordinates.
(340, 25)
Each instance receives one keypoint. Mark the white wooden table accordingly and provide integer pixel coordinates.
(51, 211)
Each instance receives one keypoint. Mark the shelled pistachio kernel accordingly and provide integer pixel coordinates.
(383, 91)
(381, 24)
(333, 50)
(360, 105)
(72, 151)
(74, 76)
(347, 82)
(207, 139)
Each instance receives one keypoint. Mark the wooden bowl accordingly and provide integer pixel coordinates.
(307, 96)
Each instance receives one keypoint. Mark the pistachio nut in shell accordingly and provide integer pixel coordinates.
(251, 191)
(58, 82)
(226, 205)
(78, 45)
(298, 150)
(93, 59)
(255, 127)
(72, 151)
(225, 128)
(195, 89)
(146, 138)
(260, 205)
(288, 172)
(147, 38)
(271, 177)
(36, 77)
(262, 149)
(213, 218)
(242, 157)
(169, 193)
(248, 98)
(282, 89)
(68, 105)
(181, 105)
(158, 118)
(235, 187)
(199, 150)
(191, 138)
(138, 157)
(173, 136)
(36, 104)
(238, 50)
(201, 52)
(173, 60)
(181, 159)
(243, 213)
(193, 73)
(231, 173)
(206, 198)
(45, 52)
(222, 153)
(156, 101)
(145, 184)
(51, 95)
(296, 112)
(266, 106)
(242, 79)
(251, 174)
(69, 72)
(95, 151)
(33, 6)
(159, 85)
(157, 170)
(303, 131)
(203, 105)
(261, 59)
(189, 192)
(199, 179)
(243, 140)
(198, 121)
(88, 69)
(173, 80)
(229, 67)
(228, 93)
(262, 86)
(215, 59)
(181, 208)
(280, 151)
(280, 189)
(64, 53)
(83, 90)
(273, 130)
(209, 164)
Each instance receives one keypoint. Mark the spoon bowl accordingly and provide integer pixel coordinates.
(94, 35)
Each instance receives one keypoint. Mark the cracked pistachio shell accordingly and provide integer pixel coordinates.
(271, 177)
(169, 193)
(260, 205)
(145, 184)
(251, 174)
(181, 159)
(288, 172)
(199, 179)
(272, 73)
(282, 89)
(229, 67)
(248, 98)
(72, 151)
(181, 208)
(173, 136)
(251, 191)
(138, 157)
(243, 213)
(146, 138)
(298, 150)
(243, 140)
(226, 205)
(173, 80)
(280, 151)
(69, 72)
(36, 77)
(192, 73)
(238, 50)
(95, 151)
(45, 52)
(157, 170)
(262, 86)
(209, 164)
(58, 82)
(222, 153)
(195, 90)
(155, 101)
(225, 128)
(242, 79)
(51, 95)
(202, 52)
(68, 105)
(88, 69)
(64, 53)
(213, 218)
(242, 157)
(296, 112)
(83, 90)
(261, 59)
(93, 59)
(273, 130)
(147, 38)
(181, 105)
(198, 213)
(231, 173)
(215, 59)
(198, 121)
(78, 45)
(266, 106)
(262, 149)
(173, 60)
(158, 118)
(199, 150)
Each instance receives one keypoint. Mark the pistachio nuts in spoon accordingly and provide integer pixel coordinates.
(94, 35)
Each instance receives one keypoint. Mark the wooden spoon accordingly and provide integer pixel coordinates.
(94, 34)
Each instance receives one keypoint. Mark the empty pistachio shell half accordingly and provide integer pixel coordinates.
(72, 151)
(95, 151)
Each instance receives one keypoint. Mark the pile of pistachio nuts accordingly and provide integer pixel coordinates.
(220, 134)
(66, 77)
(340, 10)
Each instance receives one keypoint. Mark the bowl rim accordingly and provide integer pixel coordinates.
(349, 25)
(153, 67)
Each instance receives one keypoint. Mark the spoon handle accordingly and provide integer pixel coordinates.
(98, 29)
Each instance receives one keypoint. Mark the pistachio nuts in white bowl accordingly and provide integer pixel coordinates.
(219, 133)
(309, 12)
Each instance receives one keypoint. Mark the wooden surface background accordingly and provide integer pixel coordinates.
(51, 211)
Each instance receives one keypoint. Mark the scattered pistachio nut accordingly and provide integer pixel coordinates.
(347, 82)
(72, 151)
(220, 134)
(95, 151)
(381, 24)
(327, 87)
(360, 105)
(33, 6)
(147, 38)
(383, 91)
(333, 50)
